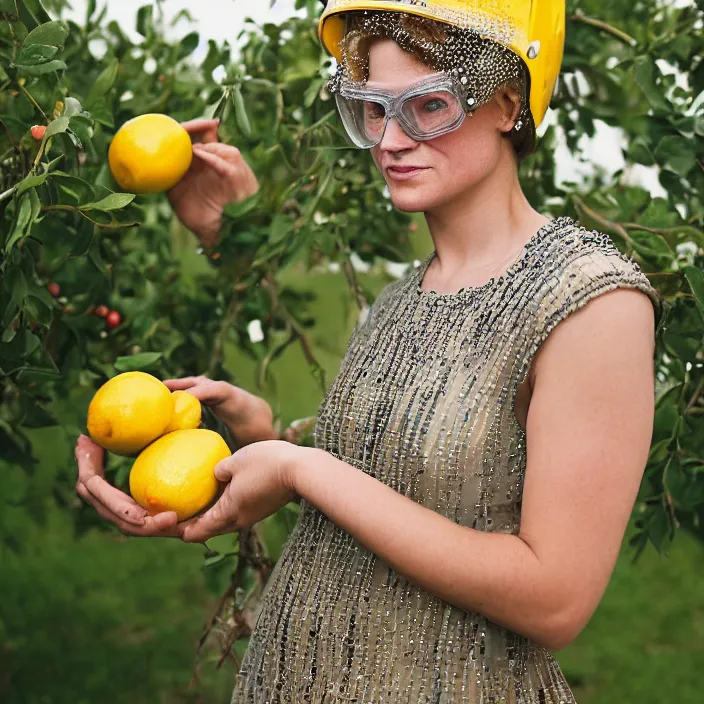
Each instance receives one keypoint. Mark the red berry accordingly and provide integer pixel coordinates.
(102, 311)
(54, 289)
(113, 319)
(38, 131)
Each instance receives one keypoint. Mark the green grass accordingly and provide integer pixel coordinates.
(645, 642)
(103, 619)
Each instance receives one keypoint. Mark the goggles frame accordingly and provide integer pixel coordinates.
(393, 106)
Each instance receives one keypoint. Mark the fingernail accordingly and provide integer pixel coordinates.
(217, 119)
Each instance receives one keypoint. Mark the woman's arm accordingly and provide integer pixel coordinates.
(589, 429)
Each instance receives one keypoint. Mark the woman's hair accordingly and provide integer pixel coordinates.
(481, 65)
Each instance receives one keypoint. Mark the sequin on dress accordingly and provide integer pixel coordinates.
(424, 402)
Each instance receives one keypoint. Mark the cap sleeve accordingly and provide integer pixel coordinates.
(585, 277)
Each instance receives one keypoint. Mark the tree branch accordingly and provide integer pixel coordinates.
(579, 16)
(695, 395)
(111, 226)
(297, 328)
(608, 224)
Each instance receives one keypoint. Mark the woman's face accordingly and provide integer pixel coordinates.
(447, 166)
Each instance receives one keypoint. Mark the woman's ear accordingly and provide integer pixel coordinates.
(510, 104)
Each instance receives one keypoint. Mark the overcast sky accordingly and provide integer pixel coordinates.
(223, 19)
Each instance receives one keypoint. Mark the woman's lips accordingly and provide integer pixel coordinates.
(404, 173)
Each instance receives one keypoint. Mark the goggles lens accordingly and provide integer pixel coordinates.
(422, 112)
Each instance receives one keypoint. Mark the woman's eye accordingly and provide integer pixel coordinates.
(374, 111)
(435, 104)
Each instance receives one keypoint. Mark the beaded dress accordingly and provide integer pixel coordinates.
(424, 402)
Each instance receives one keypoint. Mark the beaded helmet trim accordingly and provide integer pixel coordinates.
(479, 66)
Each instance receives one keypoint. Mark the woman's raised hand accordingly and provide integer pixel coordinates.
(218, 175)
(249, 418)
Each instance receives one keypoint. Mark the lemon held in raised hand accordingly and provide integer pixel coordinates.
(150, 154)
(176, 473)
(129, 411)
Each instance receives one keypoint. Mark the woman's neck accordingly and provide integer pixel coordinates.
(485, 225)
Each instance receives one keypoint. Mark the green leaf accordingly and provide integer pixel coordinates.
(41, 69)
(33, 54)
(30, 182)
(281, 227)
(76, 188)
(23, 222)
(188, 45)
(144, 19)
(60, 124)
(137, 362)
(241, 208)
(72, 107)
(35, 416)
(103, 83)
(644, 72)
(659, 528)
(114, 201)
(82, 127)
(676, 153)
(227, 544)
(101, 111)
(52, 33)
(241, 112)
(696, 281)
(652, 245)
(8, 7)
(639, 151)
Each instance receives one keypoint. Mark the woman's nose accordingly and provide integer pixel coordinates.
(395, 139)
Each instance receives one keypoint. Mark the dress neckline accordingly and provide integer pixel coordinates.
(467, 291)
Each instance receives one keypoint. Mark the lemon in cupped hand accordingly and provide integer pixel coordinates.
(129, 411)
(150, 154)
(187, 412)
(175, 473)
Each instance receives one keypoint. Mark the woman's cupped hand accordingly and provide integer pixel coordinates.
(256, 481)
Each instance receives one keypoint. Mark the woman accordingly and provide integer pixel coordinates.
(480, 452)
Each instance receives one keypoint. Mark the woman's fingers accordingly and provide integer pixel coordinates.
(221, 165)
(213, 393)
(226, 151)
(210, 392)
(202, 130)
(164, 525)
(91, 483)
(116, 501)
(228, 162)
(225, 469)
(216, 521)
(184, 383)
(89, 456)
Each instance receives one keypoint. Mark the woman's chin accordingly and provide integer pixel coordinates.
(411, 202)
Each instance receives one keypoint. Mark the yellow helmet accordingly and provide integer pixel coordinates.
(533, 29)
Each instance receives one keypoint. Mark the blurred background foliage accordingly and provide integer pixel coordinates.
(300, 262)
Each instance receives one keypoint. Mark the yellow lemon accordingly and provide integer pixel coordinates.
(150, 153)
(175, 473)
(187, 412)
(129, 411)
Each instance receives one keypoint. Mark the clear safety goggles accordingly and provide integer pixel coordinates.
(428, 109)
